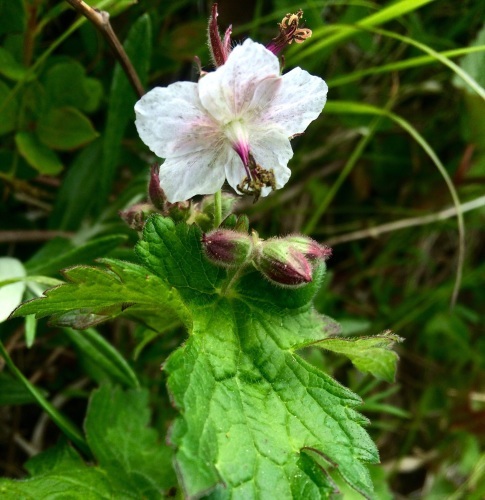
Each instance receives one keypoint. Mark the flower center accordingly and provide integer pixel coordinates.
(256, 177)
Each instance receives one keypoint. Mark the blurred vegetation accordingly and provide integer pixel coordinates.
(70, 159)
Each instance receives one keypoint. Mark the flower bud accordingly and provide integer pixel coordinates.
(283, 264)
(227, 248)
(219, 48)
(179, 211)
(136, 215)
(155, 192)
(308, 247)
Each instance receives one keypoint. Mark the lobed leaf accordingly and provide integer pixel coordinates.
(118, 434)
(368, 354)
(94, 295)
(250, 406)
(131, 462)
(256, 420)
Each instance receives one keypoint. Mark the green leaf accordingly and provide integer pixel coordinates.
(10, 295)
(65, 129)
(253, 413)
(132, 453)
(122, 100)
(9, 107)
(38, 155)
(249, 405)
(95, 295)
(474, 63)
(10, 68)
(62, 456)
(30, 330)
(131, 460)
(66, 84)
(59, 473)
(173, 252)
(94, 93)
(368, 354)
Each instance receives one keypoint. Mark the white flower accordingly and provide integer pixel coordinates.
(234, 124)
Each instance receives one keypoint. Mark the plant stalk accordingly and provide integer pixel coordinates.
(217, 209)
(100, 19)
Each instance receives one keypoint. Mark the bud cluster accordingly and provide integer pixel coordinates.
(287, 262)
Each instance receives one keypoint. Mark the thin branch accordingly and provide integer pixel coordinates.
(34, 235)
(374, 232)
(100, 19)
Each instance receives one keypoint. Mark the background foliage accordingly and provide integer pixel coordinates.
(70, 159)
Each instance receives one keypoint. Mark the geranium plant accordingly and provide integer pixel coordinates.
(254, 418)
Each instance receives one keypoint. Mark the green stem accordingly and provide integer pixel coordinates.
(217, 209)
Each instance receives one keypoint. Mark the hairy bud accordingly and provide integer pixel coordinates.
(136, 215)
(308, 247)
(155, 192)
(283, 264)
(219, 48)
(227, 248)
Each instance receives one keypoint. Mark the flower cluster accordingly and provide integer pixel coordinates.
(235, 123)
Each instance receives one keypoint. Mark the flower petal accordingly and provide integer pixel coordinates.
(171, 120)
(264, 94)
(182, 177)
(297, 102)
(272, 150)
(227, 92)
(234, 170)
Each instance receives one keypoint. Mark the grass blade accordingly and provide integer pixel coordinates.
(65, 425)
(346, 107)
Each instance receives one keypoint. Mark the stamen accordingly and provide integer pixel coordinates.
(289, 31)
(257, 179)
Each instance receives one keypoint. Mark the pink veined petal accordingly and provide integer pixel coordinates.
(171, 120)
(234, 170)
(264, 94)
(182, 177)
(227, 92)
(298, 101)
(271, 149)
